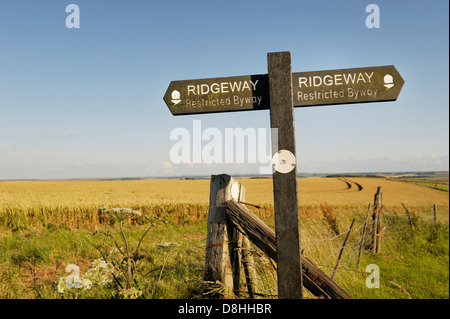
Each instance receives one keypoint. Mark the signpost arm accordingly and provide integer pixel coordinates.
(285, 184)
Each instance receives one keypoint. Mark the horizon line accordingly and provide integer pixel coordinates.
(235, 175)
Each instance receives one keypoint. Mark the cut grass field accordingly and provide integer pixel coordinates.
(44, 226)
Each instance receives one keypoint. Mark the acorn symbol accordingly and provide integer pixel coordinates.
(388, 81)
(176, 97)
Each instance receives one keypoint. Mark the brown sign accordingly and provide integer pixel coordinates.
(251, 92)
(228, 94)
(371, 84)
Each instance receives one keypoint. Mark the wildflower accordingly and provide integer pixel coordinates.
(131, 293)
(122, 213)
(61, 285)
(99, 273)
(99, 263)
(85, 283)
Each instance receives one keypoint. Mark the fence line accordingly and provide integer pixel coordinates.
(389, 227)
(331, 238)
(390, 276)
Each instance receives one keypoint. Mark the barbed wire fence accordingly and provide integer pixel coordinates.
(346, 253)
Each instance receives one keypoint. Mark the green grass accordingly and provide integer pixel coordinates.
(442, 186)
(413, 261)
(437, 181)
(31, 261)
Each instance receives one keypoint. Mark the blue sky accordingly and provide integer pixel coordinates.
(87, 102)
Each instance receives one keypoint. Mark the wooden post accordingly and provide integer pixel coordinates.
(221, 237)
(409, 217)
(379, 221)
(342, 250)
(434, 213)
(285, 176)
(247, 257)
(361, 241)
(234, 247)
(249, 268)
(377, 205)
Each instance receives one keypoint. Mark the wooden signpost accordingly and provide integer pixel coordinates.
(285, 177)
(280, 91)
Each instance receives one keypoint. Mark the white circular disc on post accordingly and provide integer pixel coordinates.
(235, 190)
(284, 161)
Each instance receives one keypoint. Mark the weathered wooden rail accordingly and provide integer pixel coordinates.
(227, 219)
(314, 279)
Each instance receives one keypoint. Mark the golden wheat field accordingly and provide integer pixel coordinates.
(313, 190)
(40, 199)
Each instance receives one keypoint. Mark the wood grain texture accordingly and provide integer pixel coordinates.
(218, 265)
(285, 184)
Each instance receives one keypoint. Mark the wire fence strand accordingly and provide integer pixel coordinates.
(323, 245)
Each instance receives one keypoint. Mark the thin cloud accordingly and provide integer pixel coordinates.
(167, 167)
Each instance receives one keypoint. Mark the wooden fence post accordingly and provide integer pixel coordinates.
(235, 247)
(361, 241)
(249, 268)
(377, 206)
(409, 217)
(342, 250)
(434, 213)
(247, 257)
(222, 236)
